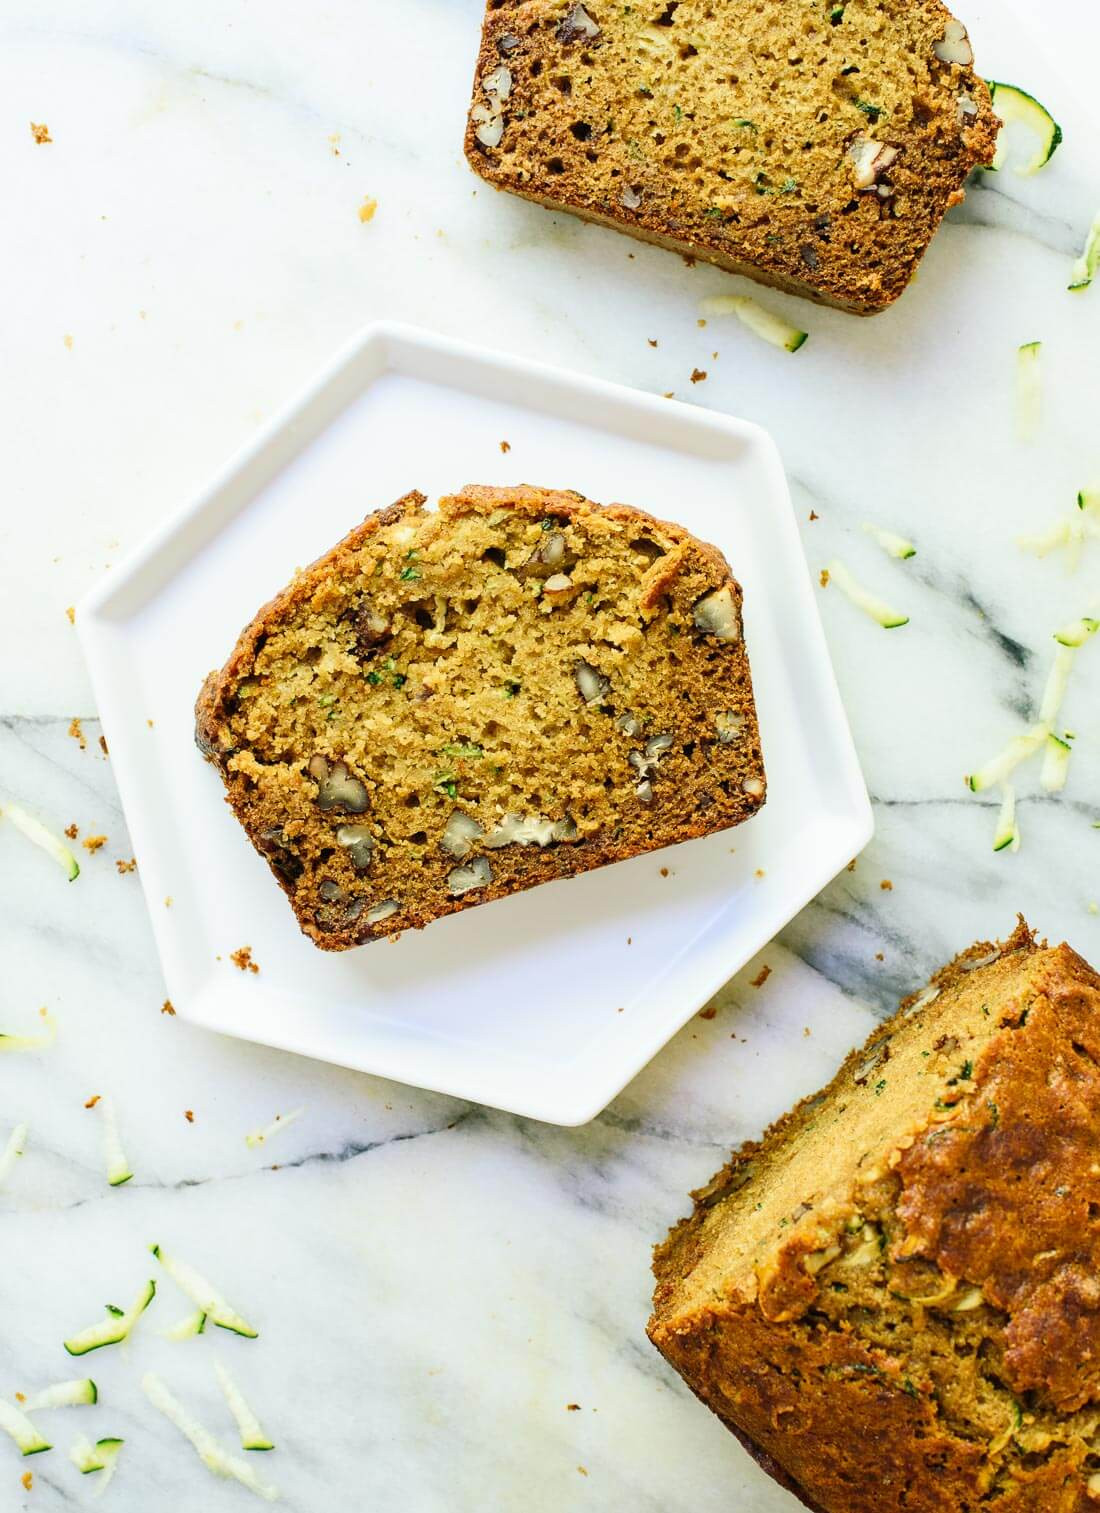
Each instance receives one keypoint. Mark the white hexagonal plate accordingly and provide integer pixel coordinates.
(546, 1003)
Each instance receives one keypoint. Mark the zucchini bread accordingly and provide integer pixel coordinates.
(893, 1299)
(814, 145)
(452, 705)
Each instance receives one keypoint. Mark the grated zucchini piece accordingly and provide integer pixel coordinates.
(37, 832)
(772, 328)
(1007, 835)
(879, 611)
(213, 1457)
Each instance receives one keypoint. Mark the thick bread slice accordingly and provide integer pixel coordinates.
(894, 1295)
(451, 706)
(814, 145)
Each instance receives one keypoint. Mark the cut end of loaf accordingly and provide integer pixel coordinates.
(812, 147)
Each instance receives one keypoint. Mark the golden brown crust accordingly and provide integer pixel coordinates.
(639, 127)
(265, 746)
(919, 1331)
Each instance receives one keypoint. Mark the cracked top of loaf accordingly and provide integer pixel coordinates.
(895, 1295)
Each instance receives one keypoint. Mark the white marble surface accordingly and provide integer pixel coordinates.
(434, 1283)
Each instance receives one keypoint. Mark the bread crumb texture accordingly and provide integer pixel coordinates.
(893, 1299)
(456, 704)
(814, 145)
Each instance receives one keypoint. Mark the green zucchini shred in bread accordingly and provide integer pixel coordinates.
(893, 1299)
(454, 705)
(809, 145)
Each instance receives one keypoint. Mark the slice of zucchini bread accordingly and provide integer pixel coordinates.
(814, 145)
(894, 1298)
(452, 705)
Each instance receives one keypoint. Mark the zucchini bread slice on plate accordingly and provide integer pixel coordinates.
(814, 145)
(893, 1299)
(456, 704)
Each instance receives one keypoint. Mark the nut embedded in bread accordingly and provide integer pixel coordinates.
(454, 705)
(894, 1298)
(814, 145)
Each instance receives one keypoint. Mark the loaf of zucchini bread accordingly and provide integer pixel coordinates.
(455, 704)
(893, 1299)
(814, 145)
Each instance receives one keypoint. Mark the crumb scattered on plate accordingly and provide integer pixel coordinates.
(698, 375)
(814, 515)
(124, 867)
(824, 577)
(879, 956)
(652, 340)
(93, 842)
(709, 1012)
(506, 446)
(189, 1116)
(92, 1101)
(168, 902)
(166, 1007)
(71, 614)
(77, 734)
(572, 1407)
(762, 976)
(68, 340)
(103, 745)
(41, 133)
(242, 959)
(71, 831)
(28, 1477)
(886, 885)
(367, 209)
